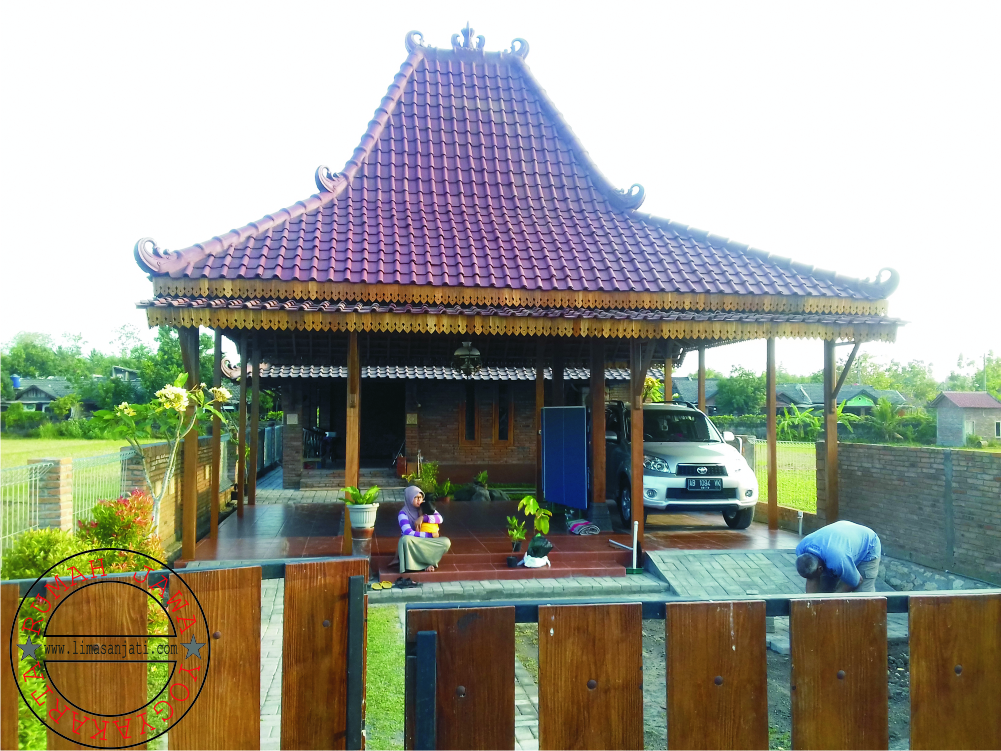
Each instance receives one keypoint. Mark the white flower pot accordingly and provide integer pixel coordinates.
(363, 515)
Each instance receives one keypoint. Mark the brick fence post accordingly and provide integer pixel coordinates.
(55, 494)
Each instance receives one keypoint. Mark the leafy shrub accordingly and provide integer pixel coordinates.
(354, 497)
(35, 551)
(123, 523)
(427, 480)
(17, 418)
(974, 441)
(482, 479)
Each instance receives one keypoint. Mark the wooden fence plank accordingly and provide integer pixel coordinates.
(717, 681)
(10, 599)
(314, 653)
(475, 696)
(99, 686)
(955, 659)
(591, 676)
(227, 713)
(839, 687)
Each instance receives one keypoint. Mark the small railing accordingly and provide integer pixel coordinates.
(311, 443)
(98, 478)
(19, 490)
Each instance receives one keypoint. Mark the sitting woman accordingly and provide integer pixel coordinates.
(419, 551)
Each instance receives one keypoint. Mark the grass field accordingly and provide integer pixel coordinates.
(15, 452)
(797, 474)
(384, 689)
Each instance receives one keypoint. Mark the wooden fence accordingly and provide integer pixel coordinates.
(460, 674)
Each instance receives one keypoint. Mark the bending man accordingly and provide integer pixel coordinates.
(841, 557)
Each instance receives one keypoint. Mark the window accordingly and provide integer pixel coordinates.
(469, 422)
(997, 429)
(504, 414)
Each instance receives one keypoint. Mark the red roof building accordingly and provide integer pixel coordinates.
(471, 211)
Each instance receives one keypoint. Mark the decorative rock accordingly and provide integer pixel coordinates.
(480, 494)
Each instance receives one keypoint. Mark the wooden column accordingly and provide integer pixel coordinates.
(241, 445)
(255, 423)
(352, 432)
(559, 368)
(216, 444)
(702, 377)
(189, 483)
(669, 374)
(770, 406)
(540, 402)
(831, 430)
(637, 376)
(597, 421)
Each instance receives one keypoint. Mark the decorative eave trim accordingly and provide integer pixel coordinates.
(504, 326)
(415, 293)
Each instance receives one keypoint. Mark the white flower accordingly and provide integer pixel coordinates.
(125, 409)
(173, 397)
(220, 394)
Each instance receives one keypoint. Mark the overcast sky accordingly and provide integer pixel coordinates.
(851, 136)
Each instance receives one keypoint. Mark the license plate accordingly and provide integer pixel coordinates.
(704, 483)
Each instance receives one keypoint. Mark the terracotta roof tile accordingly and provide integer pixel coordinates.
(469, 176)
(967, 400)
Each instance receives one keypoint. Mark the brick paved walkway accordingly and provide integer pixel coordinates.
(270, 493)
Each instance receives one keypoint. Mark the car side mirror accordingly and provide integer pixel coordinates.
(610, 436)
(728, 436)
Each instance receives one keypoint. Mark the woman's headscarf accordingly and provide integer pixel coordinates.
(413, 512)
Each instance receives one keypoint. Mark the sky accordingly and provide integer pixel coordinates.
(851, 136)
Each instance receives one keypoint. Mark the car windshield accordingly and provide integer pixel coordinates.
(663, 426)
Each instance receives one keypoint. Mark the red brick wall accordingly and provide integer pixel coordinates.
(938, 507)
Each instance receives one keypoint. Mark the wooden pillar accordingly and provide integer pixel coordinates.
(216, 444)
(189, 488)
(255, 423)
(702, 377)
(637, 377)
(831, 430)
(540, 402)
(669, 374)
(352, 432)
(770, 406)
(559, 368)
(241, 446)
(597, 421)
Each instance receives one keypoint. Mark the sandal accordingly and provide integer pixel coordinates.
(386, 585)
(406, 583)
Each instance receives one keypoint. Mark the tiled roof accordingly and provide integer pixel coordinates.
(813, 393)
(329, 306)
(56, 387)
(468, 176)
(967, 400)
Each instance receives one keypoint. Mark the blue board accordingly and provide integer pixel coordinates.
(564, 456)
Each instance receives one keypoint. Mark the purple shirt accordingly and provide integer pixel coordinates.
(406, 529)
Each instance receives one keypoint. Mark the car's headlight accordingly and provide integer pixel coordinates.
(656, 464)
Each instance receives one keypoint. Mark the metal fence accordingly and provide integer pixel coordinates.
(19, 487)
(98, 478)
(797, 473)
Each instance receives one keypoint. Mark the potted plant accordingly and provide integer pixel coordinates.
(445, 491)
(515, 531)
(539, 547)
(363, 506)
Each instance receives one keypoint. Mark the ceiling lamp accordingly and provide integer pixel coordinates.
(467, 359)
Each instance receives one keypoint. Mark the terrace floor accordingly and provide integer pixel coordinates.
(306, 524)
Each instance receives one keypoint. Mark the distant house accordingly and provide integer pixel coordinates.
(857, 399)
(963, 413)
(37, 393)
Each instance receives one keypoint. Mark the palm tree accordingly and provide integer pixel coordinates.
(885, 421)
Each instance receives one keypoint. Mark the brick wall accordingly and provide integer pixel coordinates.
(292, 448)
(952, 420)
(934, 506)
(171, 505)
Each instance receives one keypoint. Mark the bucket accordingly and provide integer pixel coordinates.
(363, 515)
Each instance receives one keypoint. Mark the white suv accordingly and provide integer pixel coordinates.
(687, 464)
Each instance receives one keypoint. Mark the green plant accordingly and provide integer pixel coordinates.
(885, 421)
(37, 550)
(277, 416)
(653, 390)
(445, 489)
(482, 479)
(65, 405)
(530, 507)
(174, 413)
(354, 497)
(515, 529)
(426, 478)
(847, 419)
(797, 425)
(18, 418)
(974, 441)
(123, 523)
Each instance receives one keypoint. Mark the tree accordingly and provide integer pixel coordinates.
(884, 420)
(742, 393)
(798, 426)
(65, 405)
(160, 367)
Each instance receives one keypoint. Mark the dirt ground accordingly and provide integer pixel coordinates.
(779, 713)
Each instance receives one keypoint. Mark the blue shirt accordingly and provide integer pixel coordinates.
(842, 546)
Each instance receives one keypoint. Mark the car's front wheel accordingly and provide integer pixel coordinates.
(738, 518)
(625, 503)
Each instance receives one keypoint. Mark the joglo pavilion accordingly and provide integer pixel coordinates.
(470, 212)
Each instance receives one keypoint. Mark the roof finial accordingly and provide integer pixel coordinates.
(467, 43)
(413, 40)
(519, 48)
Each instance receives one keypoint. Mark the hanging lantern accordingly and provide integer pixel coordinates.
(467, 359)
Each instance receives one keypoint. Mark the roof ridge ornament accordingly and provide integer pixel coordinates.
(151, 259)
(633, 198)
(327, 180)
(413, 40)
(467, 41)
(519, 48)
(884, 287)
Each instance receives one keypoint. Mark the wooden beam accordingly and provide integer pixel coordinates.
(669, 374)
(772, 433)
(597, 422)
(559, 368)
(241, 446)
(702, 377)
(352, 432)
(637, 376)
(189, 488)
(540, 402)
(831, 431)
(255, 423)
(216, 444)
(844, 373)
